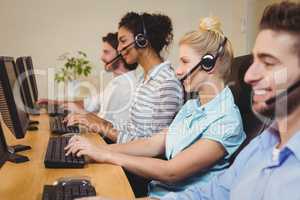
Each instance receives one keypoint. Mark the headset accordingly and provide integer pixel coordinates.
(140, 42)
(283, 94)
(208, 61)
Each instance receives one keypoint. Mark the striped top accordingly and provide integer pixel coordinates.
(156, 101)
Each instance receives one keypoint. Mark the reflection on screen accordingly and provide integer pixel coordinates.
(26, 78)
(2, 144)
(14, 85)
(23, 77)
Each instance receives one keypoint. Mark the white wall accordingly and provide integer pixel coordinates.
(47, 29)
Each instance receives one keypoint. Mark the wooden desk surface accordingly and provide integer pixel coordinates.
(26, 180)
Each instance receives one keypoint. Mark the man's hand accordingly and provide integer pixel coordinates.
(91, 121)
(73, 107)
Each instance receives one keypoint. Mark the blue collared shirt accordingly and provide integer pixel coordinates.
(218, 120)
(257, 173)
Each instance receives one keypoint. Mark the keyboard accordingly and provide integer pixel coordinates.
(57, 126)
(55, 110)
(55, 155)
(68, 191)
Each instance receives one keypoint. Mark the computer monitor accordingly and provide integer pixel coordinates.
(3, 148)
(32, 78)
(25, 84)
(11, 106)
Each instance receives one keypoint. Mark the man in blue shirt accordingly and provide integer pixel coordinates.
(269, 167)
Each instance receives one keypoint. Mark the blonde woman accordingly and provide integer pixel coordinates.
(203, 135)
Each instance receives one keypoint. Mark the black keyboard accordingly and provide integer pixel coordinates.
(56, 110)
(55, 155)
(57, 126)
(68, 191)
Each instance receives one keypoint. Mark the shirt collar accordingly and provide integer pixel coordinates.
(293, 145)
(156, 69)
(271, 137)
(130, 76)
(218, 104)
(221, 102)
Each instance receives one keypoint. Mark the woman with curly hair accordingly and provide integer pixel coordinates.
(159, 94)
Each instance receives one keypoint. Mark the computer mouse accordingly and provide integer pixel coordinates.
(84, 181)
(32, 128)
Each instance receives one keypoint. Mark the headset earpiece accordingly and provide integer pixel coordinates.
(208, 62)
(140, 39)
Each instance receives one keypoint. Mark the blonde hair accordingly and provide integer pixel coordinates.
(207, 39)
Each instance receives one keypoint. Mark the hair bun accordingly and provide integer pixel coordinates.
(210, 24)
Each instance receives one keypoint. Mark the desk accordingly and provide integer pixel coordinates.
(26, 180)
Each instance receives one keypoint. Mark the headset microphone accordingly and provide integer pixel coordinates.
(119, 56)
(281, 95)
(190, 72)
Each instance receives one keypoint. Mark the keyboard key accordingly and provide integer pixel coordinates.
(55, 155)
(68, 191)
(57, 126)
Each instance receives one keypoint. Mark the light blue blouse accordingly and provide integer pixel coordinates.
(218, 120)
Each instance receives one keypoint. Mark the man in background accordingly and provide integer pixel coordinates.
(114, 102)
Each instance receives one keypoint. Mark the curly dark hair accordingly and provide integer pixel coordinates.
(284, 16)
(112, 40)
(158, 27)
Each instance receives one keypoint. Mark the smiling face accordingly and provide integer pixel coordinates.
(275, 67)
(126, 38)
(188, 59)
(107, 54)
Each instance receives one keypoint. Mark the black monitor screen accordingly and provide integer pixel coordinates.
(32, 77)
(14, 85)
(3, 147)
(26, 90)
(12, 107)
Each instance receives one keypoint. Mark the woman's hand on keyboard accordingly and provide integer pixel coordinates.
(81, 146)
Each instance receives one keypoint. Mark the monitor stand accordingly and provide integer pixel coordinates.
(8, 153)
(15, 158)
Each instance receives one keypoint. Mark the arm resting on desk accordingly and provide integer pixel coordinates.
(200, 155)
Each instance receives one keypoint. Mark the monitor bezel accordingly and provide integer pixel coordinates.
(4, 157)
(24, 84)
(19, 130)
(32, 78)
